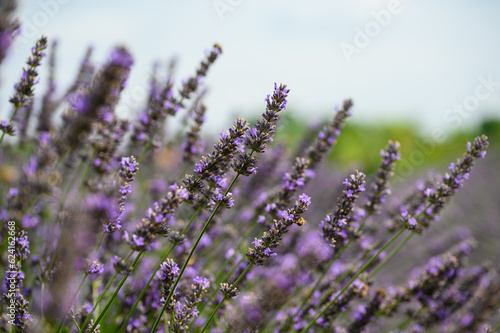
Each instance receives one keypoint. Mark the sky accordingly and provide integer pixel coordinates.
(433, 63)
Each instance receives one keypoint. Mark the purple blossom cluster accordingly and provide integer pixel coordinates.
(93, 243)
(335, 225)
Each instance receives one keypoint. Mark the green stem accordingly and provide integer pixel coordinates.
(1, 138)
(100, 242)
(316, 285)
(76, 324)
(353, 279)
(224, 298)
(172, 289)
(11, 118)
(85, 174)
(73, 298)
(149, 144)
(158, 319)
(143, 291)
(404, 323)
(391, 254)
(95, 292)
(218, 279)
(110, 301)
(397, 248)
(61, 207)
(70, 185)
(377, 244)
(165, 255)
(41, 303)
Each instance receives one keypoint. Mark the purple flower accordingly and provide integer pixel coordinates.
(334, 230)
(13, 192)
(305, 199)
(24, 88)
(121, 57)
(95, 269)
(203, 282)
(169, 269)
(139, 241)
(80, 103)
(466, 320)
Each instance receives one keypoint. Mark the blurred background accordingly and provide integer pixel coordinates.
(413, 61)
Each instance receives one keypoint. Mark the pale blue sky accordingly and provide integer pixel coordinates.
(429, 57)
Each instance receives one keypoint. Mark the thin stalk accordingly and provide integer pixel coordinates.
(158, 128)
(70, 185)
(405, 323)
(316, 285)
(353, 279)
(101, 296)
(408, 320)
(10, 120)
(165, 255)
(250, 264)
(110, 301)
(400, 245)
(85, 174)
(172, 289)
(100, 242)
(379, 242)
(143, 291)
(73, 298)
(76, 324)
(391, 254)
(95, 293)
(218, 279)
(61, 207)
(348, 271)
(41, 305)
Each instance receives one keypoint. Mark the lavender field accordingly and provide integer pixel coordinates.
(117, 223)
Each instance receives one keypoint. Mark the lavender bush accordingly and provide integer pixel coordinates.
(112, 225)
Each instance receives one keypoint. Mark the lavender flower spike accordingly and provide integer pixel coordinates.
(192, 144)
(271, 239)
(191, 84)
(453, 181)
(128, 169)
(98, 102)
(183, 313)
(327, 136)
(258, 137)
(169, 271)
(218, 162)
(9, 26)
(155, 222)
(385, 172)
(334, 226)
(24, 88)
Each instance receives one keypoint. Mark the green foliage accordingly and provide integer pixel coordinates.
(359, 144)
